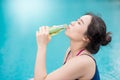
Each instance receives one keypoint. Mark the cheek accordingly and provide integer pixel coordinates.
(82, 31)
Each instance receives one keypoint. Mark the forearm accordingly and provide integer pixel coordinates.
(40, 65)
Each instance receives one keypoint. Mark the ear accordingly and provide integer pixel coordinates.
(85, 38)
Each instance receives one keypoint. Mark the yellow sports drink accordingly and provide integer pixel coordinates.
(54, 30)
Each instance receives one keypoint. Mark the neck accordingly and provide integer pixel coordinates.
(75, 47)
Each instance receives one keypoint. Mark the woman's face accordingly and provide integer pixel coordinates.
(76, 29)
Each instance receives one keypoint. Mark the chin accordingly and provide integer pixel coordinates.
(68, 34)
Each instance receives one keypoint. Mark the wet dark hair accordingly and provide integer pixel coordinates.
(97, 34)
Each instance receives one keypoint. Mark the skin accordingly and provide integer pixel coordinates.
(81, 67)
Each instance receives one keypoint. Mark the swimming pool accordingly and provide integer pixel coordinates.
(19, 20)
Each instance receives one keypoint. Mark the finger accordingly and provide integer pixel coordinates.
(42, 29)
(47, 29)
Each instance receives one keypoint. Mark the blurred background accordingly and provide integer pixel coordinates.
(20, 19)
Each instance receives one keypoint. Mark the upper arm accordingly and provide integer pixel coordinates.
(73, 69)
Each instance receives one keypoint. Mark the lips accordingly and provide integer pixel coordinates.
(68, 27)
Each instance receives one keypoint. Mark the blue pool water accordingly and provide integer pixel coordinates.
(19, 20)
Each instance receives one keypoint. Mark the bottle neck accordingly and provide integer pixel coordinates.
(63, 26)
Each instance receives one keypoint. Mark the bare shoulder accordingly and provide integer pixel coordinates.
(86, 59)
(82, 59)
(85, 64)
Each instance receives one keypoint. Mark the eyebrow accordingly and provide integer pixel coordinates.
(82, 21)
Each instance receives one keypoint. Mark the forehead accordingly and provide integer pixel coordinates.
(86, 19)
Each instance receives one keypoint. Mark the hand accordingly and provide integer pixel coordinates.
(43, 36)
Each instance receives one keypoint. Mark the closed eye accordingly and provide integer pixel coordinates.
(82, 21)
(79, 22)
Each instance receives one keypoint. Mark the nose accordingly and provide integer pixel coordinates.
(73, 23)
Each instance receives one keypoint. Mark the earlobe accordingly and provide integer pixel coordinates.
(85, 38)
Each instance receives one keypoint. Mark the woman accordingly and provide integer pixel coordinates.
(86, 35)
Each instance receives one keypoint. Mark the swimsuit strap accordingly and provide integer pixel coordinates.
(67, 56)
(80, 52)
